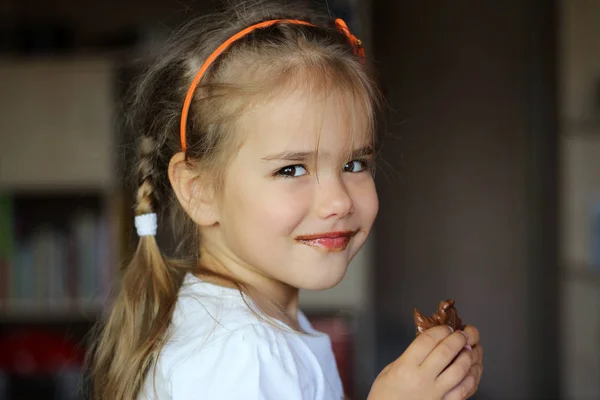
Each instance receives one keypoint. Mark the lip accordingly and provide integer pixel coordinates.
(330, 241)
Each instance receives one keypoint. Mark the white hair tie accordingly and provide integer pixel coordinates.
(146, 224)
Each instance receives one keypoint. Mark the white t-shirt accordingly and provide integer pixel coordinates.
(220, 349)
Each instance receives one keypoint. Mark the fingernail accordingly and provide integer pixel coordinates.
(464, 333)
(451, 328)
(468, 347)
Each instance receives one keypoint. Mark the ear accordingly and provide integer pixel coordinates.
(195, 195)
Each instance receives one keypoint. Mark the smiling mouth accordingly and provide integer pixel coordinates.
(330, 241)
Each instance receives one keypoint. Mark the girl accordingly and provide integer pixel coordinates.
(257, 126)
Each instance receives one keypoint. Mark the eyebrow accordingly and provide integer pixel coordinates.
(298, 156)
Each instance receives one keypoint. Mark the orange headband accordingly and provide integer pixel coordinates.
(339, 23)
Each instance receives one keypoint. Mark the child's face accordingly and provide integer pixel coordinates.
(288, 213)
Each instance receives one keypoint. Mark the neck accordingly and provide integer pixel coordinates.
(274, 298)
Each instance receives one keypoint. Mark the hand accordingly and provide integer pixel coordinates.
(437, 365)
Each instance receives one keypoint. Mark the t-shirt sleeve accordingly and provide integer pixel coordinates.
(251, 363)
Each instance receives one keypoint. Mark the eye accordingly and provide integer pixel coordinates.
(356, 166)
(292, 171)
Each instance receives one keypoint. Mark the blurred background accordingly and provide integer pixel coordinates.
(489, 183)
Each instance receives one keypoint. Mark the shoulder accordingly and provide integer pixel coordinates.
(252, 362)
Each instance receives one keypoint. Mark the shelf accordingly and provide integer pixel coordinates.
(35, 312)
(586, 127)
(583, 273)
(72, 189)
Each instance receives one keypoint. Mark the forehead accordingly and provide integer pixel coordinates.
(299, 120)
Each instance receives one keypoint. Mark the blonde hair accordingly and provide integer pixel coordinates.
(261, 65)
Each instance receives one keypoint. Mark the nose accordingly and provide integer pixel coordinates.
(334, 200)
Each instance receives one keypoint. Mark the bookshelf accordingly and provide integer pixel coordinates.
(61, 203)
(64, 217)
(579, 82)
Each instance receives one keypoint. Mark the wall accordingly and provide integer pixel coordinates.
(468, 205)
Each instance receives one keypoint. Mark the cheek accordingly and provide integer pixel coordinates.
(275, 206)
(366, 202)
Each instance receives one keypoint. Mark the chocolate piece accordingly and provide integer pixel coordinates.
(445, 315)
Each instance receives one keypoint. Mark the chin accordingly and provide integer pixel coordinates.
(320, 281)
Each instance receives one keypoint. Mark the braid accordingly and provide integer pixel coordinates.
(136, 328)
(145, 174)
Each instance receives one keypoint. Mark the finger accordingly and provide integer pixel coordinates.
(477, 354)
(455, 373)
(476, 370)
(444, 353)
(473, 334)
(424, 344)
(465, 389)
